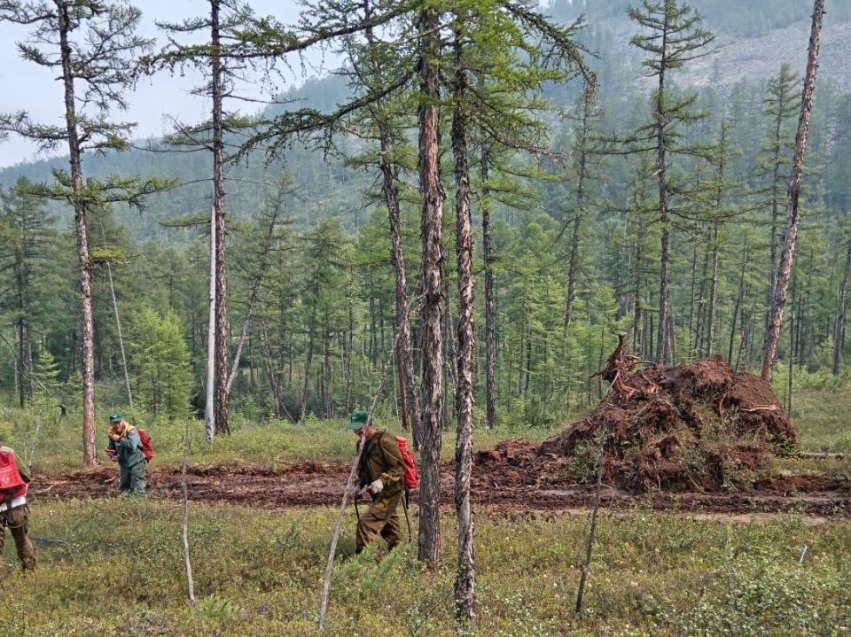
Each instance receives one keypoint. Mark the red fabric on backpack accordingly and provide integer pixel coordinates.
(412, 474)
(12, 485)
(147, 446)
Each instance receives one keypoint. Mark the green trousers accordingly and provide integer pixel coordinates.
(381, 520)
(134, 480)
(17, 521)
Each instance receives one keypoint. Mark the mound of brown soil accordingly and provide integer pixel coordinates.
(695, 427)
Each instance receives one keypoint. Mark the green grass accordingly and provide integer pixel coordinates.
(274, 443)
(115, 567)
(823, 420)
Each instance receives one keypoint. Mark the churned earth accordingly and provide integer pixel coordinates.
(518, 489)
(699, 439)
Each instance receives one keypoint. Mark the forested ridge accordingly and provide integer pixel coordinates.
(576, 242)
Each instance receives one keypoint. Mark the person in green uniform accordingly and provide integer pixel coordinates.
(125, 446)
(14, 510)
(380, 474)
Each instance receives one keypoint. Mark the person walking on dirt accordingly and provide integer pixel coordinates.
(125, 447)
(380, 474)
(14, 510)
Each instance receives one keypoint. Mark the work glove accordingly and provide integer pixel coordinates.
(354, 491)
(376, 487)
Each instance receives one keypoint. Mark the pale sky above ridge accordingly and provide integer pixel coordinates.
(154, 103)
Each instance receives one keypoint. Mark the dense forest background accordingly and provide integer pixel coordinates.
(309, 249)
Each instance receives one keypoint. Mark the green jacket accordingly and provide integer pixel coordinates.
(382, 459)
(128, 450)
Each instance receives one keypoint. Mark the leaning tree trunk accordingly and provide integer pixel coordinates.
(465, 582)
(839, 327)
(432, 239)
(778, 302)
(87, 366)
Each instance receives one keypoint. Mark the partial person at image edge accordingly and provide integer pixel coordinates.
(14, 510)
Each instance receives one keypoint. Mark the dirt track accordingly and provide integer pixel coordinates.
(320, 484)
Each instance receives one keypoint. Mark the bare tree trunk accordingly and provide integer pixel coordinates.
(120, 338)
(326, 365)
(739, 307)
(184, 527)
(450, 383)
(349, 345)
(20, 366)
(87, 368)
(272, 373)
(490, 312)
(432, 238)
(210, 404)
(592, 532)
(581, 197)
(221, 407)
(841, 308)
(713, 294)
(791, 359)
(778, 302)
(465, 582)
(692, 312)
(307, 363)
(637, 333)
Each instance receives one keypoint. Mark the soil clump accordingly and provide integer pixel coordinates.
(699, 427)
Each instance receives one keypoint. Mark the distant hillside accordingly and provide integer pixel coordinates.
(324, 187)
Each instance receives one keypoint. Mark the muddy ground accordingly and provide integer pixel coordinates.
(525, 487)
(693, 438)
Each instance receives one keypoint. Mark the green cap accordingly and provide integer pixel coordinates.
(114, 418)
(358, 419)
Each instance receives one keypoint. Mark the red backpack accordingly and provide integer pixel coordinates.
(147, 446)
(12, 485)
(412, 474)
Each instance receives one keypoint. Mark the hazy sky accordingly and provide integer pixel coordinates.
(26, 86)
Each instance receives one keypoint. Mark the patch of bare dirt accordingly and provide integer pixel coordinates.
(520, 481)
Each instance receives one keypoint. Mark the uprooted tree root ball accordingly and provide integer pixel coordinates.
(695, 427)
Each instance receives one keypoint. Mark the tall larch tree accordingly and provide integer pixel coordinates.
(671, 36)
(431, 189)
(221, 61)
(465, 607)
(91, 46)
